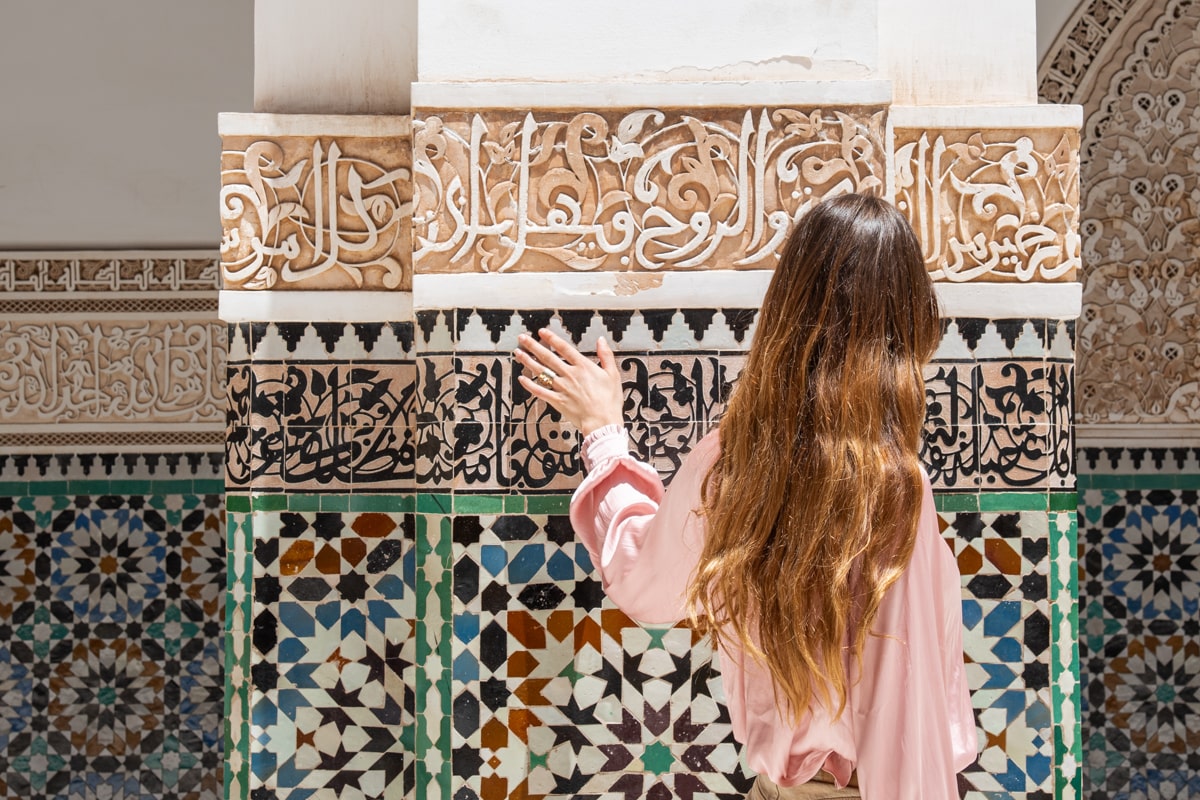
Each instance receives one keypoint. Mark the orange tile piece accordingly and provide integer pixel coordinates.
(530, 692)
(970, 561)
(296, 558)
(373, 526)
(493, 787)
(520, 720)
(521, 663)
(525, 629)
(1001, 553)
(493, 735)
(328, 561)
(561, 623)
(613, 621)
(354, 550)
(587, 632)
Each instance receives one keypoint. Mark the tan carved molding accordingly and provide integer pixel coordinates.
(154, 372)
(148, 271)
(1139, 337)
(312, 206)
(992, 205)
(632, 189)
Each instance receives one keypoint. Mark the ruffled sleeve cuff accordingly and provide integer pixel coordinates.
(603, 445)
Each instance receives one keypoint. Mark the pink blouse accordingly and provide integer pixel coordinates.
(908, 727)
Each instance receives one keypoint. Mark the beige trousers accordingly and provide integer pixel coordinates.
(766, 789)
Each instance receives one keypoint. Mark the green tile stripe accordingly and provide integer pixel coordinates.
(1064, 654)
(1143, 481)
(537, 503)
(131, 486)
(239, 568)
(433, 664)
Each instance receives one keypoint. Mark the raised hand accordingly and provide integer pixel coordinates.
(587, 394)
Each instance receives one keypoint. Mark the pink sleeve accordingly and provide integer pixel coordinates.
(644, 542)
(914, 727)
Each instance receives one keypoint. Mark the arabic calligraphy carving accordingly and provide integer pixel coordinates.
(316, 212)
(1139, 355)
(992, 205)
(112, 372)
(102, 272)
(644, 189)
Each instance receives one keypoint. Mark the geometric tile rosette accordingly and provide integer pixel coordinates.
(557, 693)
(110, 657)
(332, 654)
(1140, 639)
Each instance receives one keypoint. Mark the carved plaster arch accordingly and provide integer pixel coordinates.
(1134, 65)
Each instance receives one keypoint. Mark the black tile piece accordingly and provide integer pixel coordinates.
(514, 528)
(310, 589)
(495, 320)
(403, 331)
(739, 320)
(291, 333)
(698, 319)
(658, 320)
(493, 646)
(616, 323)
(535, 320)
(971, 329)
(542, 596)
(367, 333)
(576, 322)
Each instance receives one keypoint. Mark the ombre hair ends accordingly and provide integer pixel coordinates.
(812, 505)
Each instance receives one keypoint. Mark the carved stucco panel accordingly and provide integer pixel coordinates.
(992, 205)
(316, 212)
(100, 272)
(1139, 338)
(634, 189)
(138, 371)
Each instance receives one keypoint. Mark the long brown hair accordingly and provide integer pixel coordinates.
(813, 502)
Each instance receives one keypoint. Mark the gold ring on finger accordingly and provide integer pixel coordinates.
(545, 379)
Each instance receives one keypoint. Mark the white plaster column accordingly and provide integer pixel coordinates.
(344, 57)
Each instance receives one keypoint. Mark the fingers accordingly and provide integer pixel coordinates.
(547, 357)
(561, 347)
(608, 361)
(528, 362)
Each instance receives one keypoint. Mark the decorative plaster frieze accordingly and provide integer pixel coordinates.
(991, 204)
(141, 372)
(315, 202)
(106, 271)
(650, 188)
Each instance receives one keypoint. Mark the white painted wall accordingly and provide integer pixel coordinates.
(641, 40)
(108, 119)
(959, 52)
(334, 56)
